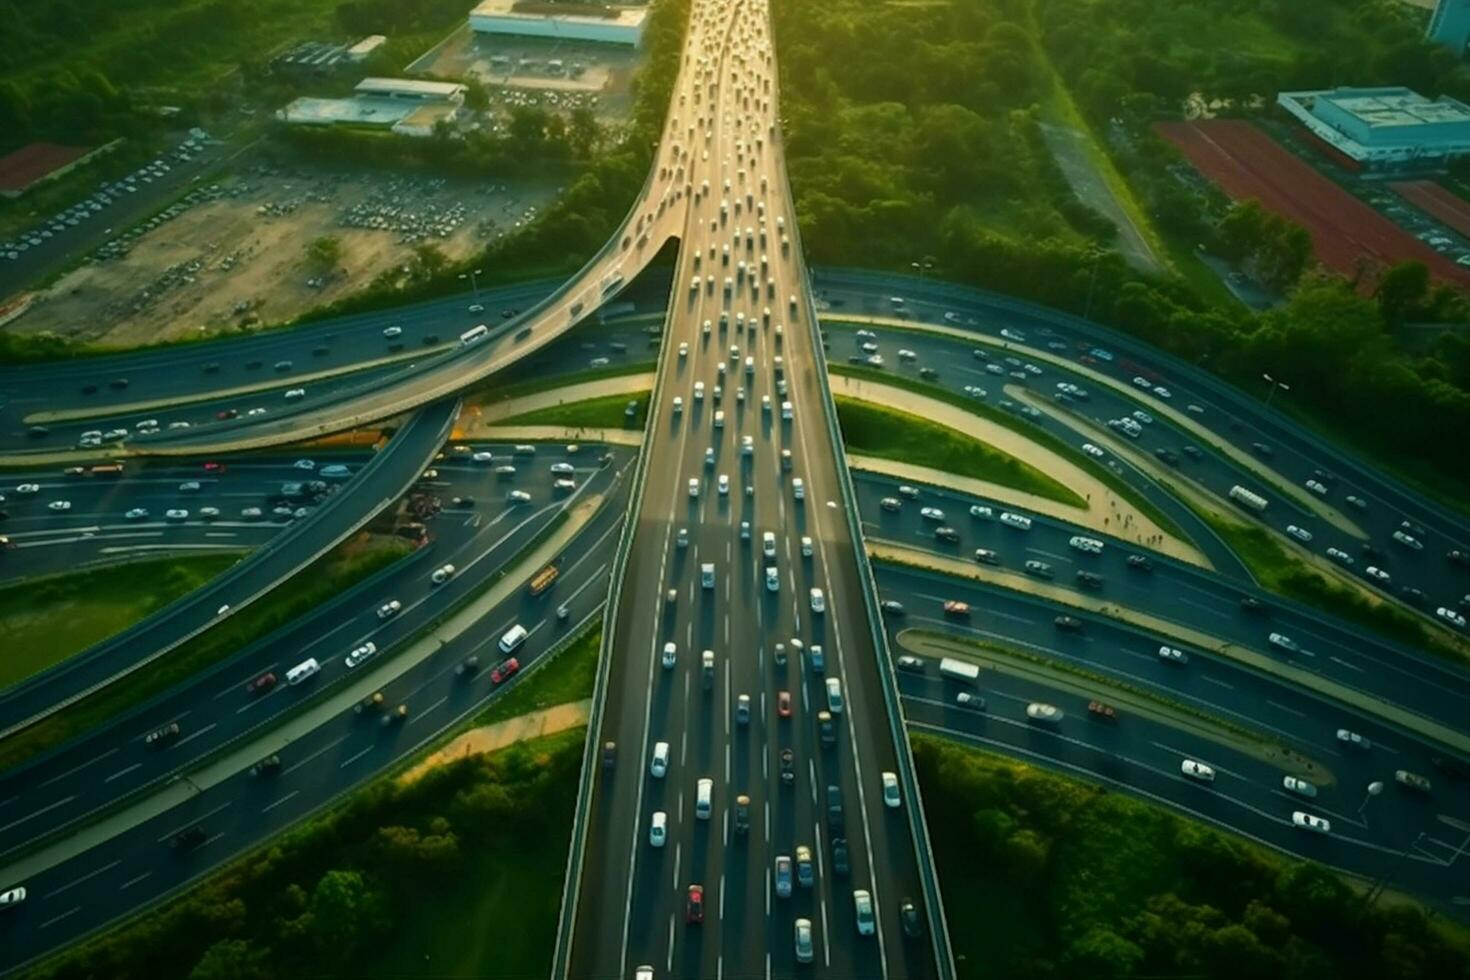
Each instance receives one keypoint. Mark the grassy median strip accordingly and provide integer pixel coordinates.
(886, 433)
(1056, 873)
(47, 620)
(489, 392)
(455, 874)
(607, 412)
(338, 570)
(1033, 433)
(1286, 575)
(569, 677)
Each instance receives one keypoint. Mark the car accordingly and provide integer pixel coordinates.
(1300, 533)
(28, 488)
(268, 766)
(1197, 770)
(1091, 580)
(670, 656)
(723, 485)
(1040, 569)
(261, 684)
(956, 610)
(504, 671)
(1317, 487)
(932, 514)
(1039, 711)
(1450, 616)
(518, 497)
(1408, 541)
(1283, 642)
(1173, 655)
(251, 513)
(658, 829)
(160, 737)
(892, 607)
(783, 876)
(805, 949)
(1092, 450)
(972, 702)
(911, 663)
(187, 840)
(59, 505)
(1308, 822)
(1341, 557)
(1357, 502)
(783, 704)
(442, 574)
(189, 486)
(891, 504)
(1412, 780)
(1140, 563)
(1070, 623)
(694, 905)
(176, 514)
(392, 331)
(946, 533)
(1353, 740)
(862, 902)
(1377, 574)
(1299, 786)
(890, 790)
(12, 897)
(693, 486)
(361, 653)
(818, 601)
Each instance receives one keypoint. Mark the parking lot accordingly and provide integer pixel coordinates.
(234, 252)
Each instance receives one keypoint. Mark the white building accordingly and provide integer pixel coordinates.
(365, 47)
(618, 25)
(414, 89)
(1387, 128)
(409, 107)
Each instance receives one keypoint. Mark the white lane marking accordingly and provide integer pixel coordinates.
(271, 806)
(86, 877)
(123, 772)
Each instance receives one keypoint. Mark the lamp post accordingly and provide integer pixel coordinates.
(474, 283)
(1274, 385)
(1374, 788)
(921, 267)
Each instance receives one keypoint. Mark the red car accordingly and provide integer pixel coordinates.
(227, 413)
(783, 704)
(213, 467)
(505, 671)
(694, 908)
(261, 684)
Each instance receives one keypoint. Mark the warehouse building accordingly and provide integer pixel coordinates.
(1389, 129)
(410, 89)
(560, 21)
(407, 106)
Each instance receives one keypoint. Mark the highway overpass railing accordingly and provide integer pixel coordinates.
(391, 470)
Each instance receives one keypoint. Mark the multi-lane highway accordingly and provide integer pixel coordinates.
(740, 617)
(128, 796)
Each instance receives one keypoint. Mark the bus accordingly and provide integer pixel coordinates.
(1248, 499)
(474, 334)
(958, 670)
(106, 469)
(543, 579)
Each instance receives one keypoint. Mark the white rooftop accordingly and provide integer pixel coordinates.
(409, 86)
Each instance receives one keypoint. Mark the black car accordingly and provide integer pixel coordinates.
(468, 666)
(928, 374)
(118, 383)
(1140, 563)
(1168, 456)
(1069, 623)
(609, 754)
(986, 557)
(908, 916)
(160, 737)
(1371, 551)
(1192, 452)
(840, 864)
(1251, 604)
(268, 766)
(947, 534)
(463, 502)
(89, 389)
(1459, 557)
(788, 767)
(1452, 767)
(1090, 579)
(186, 840)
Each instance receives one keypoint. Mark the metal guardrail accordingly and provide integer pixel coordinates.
(215, 592)
(888, 681)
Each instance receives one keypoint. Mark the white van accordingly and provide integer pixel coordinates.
(834, 695)
(307, 668)
(513, 638)
(1090, 545)
(659, 766)
(1015, 520)
(707, 575)
(703, 793)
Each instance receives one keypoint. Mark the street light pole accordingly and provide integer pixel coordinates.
(1274, 385)
(1374, 788)
(474, 283)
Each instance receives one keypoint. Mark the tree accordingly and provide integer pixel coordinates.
(234, 959)
(323, 254)
(1401, 291)
(343, 909)
(1100, 952)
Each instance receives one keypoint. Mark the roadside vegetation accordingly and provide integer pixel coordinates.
(912, 139)
(454, 874)
(569, 677)
(335, 572)
(1047, 877)
(873, 430)
(607, 412)
(1278, 570)
(49, 619)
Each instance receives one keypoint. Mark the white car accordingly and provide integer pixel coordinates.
(28, 488)
(1092, 450)
(137, 514)
(562, 469)
(806, 547)
(1163, 392)
(678, 404)
(1143, 417)
(684, 347)
(189, 486)
(1316, 487)
(1340, 556)
(59, 505)
(1450, 616)
(16, 895)
(1197, 770)
(361, 653)
(1305, 821)
(176, 514)
(1299, 786)
(1283, 642)
(292, 395)
(723, 483)
(1377, 574)
(658, 829)
(773, 579)
(670, 656)
(390, 608)
(1173, 655)
(694, 486)
(932, 514)
(482, 457)
(1300, 533)
(304, 464)
(862, 903)
(805, 949)
(818, 601)
(209, 513)
(391, 332)
(699, 391)
(890, 791)
(442, 574)
(518, 497)
(658, 767)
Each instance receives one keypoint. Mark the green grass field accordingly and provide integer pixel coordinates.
(339, 570)
(872, 430)
(609, 412)
(50, 619)
(568, 678)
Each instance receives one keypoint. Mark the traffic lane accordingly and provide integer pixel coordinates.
(1174, 591)
(138, 867)
(378, 483)
(179, 370)
(1251, 783)
(1216, 685)
(216, 708)
(1232, 416)
(1407, 864)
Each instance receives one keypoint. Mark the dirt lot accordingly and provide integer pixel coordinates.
(1247, 163)
(220, 262)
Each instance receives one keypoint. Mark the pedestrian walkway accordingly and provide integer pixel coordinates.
(491, 738)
